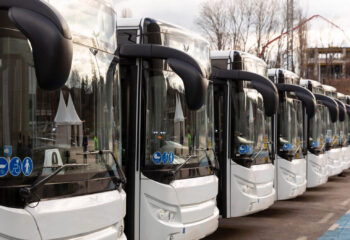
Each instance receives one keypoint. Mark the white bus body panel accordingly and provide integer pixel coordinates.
(347, 156)
(251, 189)
(334, 162)
(92, 217)
(291, 178)
(317, 173)
(185, 209)
(344, 156)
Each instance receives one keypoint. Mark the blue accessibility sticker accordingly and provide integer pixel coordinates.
(165, 157)
(249, 149)
(242, 149)
(4, 166)
(15, 166)
(171, 157)
(157, 157)
(27, 166)
(315, 144)
(7, 150)
(285, 147)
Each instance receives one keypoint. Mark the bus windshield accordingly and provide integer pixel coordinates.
(290, 129)
(174, 134)
(43, 130)
(250, 133)
(316, 130)
(330, 131)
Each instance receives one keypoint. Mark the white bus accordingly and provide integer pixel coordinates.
(335, 155)
(343, 130)
(244, 102)
(168, 131)
(290, 163)
(60, 122)
(326, 112)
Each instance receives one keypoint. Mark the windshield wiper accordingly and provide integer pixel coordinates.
(206, 154)
(119, 168)
(27, 192)
(257, 154)
(173, 172)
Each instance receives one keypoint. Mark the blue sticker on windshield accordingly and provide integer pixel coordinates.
(285, 147)
(165, 157)
(314, 144)
(27, 166)
(157, 157)
(7, 150)
(4, 166)
(249, 149)
(242, 149)
(15, 166)
(171, 157)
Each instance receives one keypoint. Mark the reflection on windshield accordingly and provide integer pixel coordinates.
(173, 132)
(250, 126)
(290, 128)
(51, 128)
(317, 129)
(182, 40)
(92, 22)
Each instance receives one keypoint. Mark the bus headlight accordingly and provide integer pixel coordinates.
(166, 215)
(248, 189)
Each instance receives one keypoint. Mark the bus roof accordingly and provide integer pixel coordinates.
(288, 76)
(304, 82)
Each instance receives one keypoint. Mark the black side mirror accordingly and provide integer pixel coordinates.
(330, 104)
(342, 109)
(306, 96)
(49, 36)
(263, 85)
(181, 63)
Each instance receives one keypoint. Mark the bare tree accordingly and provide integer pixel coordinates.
(302, 42)
(240, 22)
(265, 23)
(213, 21)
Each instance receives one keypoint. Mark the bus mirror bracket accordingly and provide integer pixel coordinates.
(306, 96)
(330, 104)
(49, 36)
(263, 85)
(181, 63)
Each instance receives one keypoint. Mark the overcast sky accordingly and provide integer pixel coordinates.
(184, 12)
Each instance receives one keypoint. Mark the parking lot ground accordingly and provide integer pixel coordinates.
(306, 217)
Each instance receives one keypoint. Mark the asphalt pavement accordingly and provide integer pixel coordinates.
(306, 217)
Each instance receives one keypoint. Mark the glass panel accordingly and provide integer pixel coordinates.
(299, 125)
(317, 129)
(173, 132)
(250, 136)
(54, 128)
(170, 36)
(290, 137)
(94, 24)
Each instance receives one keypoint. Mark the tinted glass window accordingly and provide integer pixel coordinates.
(54, 128)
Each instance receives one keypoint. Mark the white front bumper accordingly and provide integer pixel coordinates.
(184, 209)
(92, 217)
(291, 178)
(334, 162)
(317, 173)
(251, 189)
